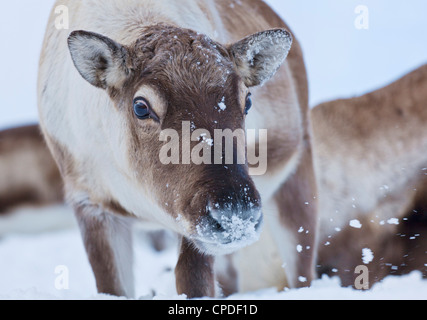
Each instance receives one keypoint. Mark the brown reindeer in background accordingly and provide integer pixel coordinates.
(371, 159)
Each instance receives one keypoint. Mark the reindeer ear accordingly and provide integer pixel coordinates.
(259, 56)
(101, 61)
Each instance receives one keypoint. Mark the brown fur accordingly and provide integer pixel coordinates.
(105, 258)
(287, 137)
(29, 174)
(361, 144)
(252, 17)
(297, 201)
(188, 78)
(201, 267)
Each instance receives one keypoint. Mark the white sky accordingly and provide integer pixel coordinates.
(341, 60)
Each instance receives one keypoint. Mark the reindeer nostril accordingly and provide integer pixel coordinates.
(215, 219)
(228, 220)
(217, 226)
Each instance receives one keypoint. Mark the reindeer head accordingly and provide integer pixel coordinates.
(178, 80)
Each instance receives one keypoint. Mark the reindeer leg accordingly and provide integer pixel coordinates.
(194, 272)
(108, 242)
(296, 228)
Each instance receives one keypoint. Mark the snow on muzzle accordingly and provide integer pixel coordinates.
(226, 229)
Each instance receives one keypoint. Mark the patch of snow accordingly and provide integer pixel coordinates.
(367, 255)
(355, 224)
(237, 228)
(393, 221)
(203, 137)
(210, 142)
(26, 276)
(234, 229)
(222, 105)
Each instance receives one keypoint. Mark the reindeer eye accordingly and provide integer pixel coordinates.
(248, 104)
(141, 108)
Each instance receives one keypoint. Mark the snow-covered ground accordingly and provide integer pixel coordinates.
(342, 61)
(53, 265)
